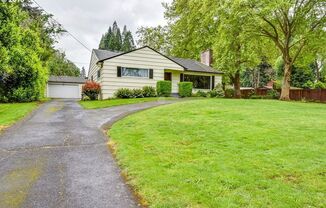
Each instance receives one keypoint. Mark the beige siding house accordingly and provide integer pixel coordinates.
(144, 67)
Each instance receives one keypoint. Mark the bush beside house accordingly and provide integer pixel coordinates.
(185, 89)
(164, 88)
(146, 91)
(149, 91)
(91, 90)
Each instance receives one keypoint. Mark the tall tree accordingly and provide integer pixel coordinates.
(219, 25)
(234, 49)
(294, 26)
(22, 72)
(115, 41)
(155, 37)
(59, 65)
(192, 26)
(128, 43)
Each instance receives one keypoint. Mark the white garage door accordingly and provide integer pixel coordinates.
(64, 91)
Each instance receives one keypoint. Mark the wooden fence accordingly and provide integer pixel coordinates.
(295, 94)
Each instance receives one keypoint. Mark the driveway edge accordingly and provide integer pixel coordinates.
(105, 128)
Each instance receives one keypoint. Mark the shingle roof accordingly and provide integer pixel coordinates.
(104, 54)
(187, 64)
(67, 79)
(193, 65)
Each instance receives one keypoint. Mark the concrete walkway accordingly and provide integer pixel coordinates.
(58, 157)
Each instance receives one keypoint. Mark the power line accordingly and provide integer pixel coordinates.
(63, 27)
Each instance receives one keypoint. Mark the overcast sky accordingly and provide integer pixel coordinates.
(89, 19)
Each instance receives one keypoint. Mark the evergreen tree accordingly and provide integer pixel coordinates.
(83, 72)
(115, 41)
(128, 43)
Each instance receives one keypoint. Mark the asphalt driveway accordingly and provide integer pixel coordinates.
(58, 157)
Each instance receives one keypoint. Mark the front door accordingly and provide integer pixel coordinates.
(168, 76)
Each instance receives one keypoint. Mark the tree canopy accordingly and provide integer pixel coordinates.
(115, 41)
(241, 32)
(27, 54)
(155, 37)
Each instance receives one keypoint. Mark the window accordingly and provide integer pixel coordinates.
(199, 82)
(134, 72)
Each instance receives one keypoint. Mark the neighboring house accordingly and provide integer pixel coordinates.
(64, 87)
(145, 66)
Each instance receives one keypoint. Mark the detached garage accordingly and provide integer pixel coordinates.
(65, 87)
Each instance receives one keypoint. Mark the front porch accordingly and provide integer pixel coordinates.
(201, 81)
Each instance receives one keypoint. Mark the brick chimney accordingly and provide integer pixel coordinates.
(206, 57)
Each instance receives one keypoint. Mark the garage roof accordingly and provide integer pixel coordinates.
(67, 79)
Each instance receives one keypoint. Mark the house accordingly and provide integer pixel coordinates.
(64, 87)
(145, 66)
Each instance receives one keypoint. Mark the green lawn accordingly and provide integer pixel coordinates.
(115, 102)
(225, 153)
(10, 113)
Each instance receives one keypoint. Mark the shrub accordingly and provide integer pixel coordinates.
(319, 85)
(254, 96)
(164, 88)
(23, 95)
(137, 93)
(229, 92)
(200, 93)
(273, 94)
(185, 89)
(149, 91)
(91, 89)
(277, 85)
(309, 85)
(217, 91)
(123, 93)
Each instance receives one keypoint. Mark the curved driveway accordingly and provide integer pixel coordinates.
(58, 157)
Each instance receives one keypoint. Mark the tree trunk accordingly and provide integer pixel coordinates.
(285, 94)
(236, 83)
(317, 70)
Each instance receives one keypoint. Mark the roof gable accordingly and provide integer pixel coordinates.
(186, 64)
(117, 54)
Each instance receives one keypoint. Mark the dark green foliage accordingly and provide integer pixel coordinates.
(229, 92)
(217, 92)
(149, 91)
(200, 93)
(164, 88)
(273, 94)
(23, 95)
(114, 41)
(259, 76)
(123, 93)
(146, 91)
(300, 76)
(128, 43)
(137, 93)
(59, 65)
(185, 89)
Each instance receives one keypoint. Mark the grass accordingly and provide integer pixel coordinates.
(225, 153)
(115, 102)
(10, 113)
